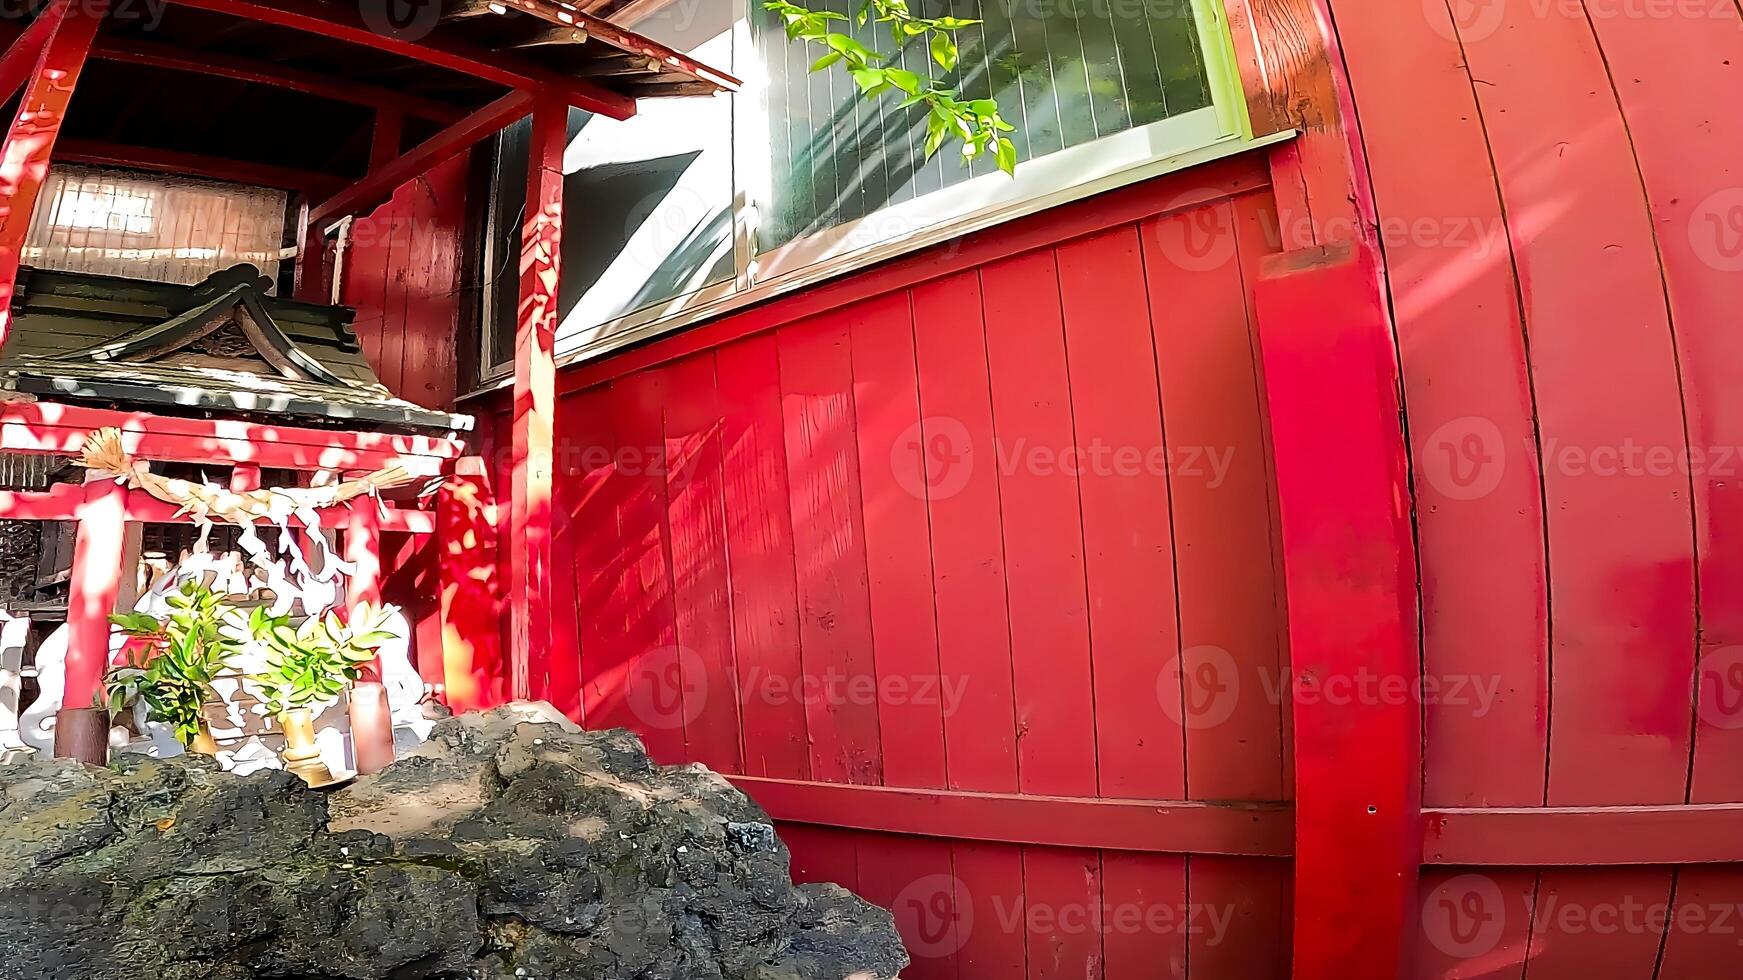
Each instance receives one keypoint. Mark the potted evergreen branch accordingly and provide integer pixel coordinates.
(172, 670)
(307, 667)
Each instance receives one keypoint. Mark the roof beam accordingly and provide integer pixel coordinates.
(344, 22)
(565, 15)
(445, 145)
(100, 154)
(219, 65)
(278, 76)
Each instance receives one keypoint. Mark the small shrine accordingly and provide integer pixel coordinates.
(206, 471)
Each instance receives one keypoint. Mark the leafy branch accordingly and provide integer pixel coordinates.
(975, 122)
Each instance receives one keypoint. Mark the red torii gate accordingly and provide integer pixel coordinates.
(46, 60)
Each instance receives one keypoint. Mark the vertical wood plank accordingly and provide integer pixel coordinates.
(992, 907)
(1128, 535)
(829, 542)
(911, 876)
(967, 546)
(1052, 676)
(1687, 150)
(647, 666)
(1475, 919)
(1702, 941)
(1147, 919)
(1594, 922)
(1243, 924)
(1467, 387)
(1620, 544)
(702, 590)
(759, 545)
(1231, 665)
(1063, 932)
(892, 469)
(823, 854)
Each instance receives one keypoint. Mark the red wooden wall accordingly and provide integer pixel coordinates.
(862, 482)
(840, 546)
(1560, 194)
(402, 274)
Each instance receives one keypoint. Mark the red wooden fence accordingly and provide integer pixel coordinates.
(926, 560)
(829, 544)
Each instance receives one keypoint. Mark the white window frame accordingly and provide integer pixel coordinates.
(1178, 142)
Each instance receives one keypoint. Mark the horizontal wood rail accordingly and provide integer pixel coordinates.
(64, 501)
(1584, 836)
(40, 427)
(1152, 826)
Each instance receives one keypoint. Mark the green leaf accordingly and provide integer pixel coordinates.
(825, 61)
(138, 624)
(944, 51)
(870, 80)
(1007, 156)
(907, 81)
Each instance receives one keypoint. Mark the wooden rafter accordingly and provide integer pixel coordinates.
(345, 23)
(566, 15)
(443, 146)
(219, 65)
(100, 154)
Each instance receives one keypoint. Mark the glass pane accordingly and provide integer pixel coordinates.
(648, 200)
(1065, 72)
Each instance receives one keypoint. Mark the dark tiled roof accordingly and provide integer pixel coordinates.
(223, 345)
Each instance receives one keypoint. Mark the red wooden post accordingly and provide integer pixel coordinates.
(81, 727)
(20, 60)
(471, 603)
(30, 141)
(535, 374)
(1331, 377)
(371, 718)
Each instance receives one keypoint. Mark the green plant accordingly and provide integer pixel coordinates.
(311, 664)
(172, 672)
(976, 122)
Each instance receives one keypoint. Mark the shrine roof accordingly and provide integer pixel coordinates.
(223, 345)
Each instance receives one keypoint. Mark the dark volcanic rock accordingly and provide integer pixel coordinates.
(511, 847)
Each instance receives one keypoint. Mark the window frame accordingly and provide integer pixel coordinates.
(1190, 139)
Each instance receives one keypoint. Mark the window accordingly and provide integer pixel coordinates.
(701, 204)
(165, 229)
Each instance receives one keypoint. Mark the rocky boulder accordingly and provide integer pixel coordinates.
(512, 846)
